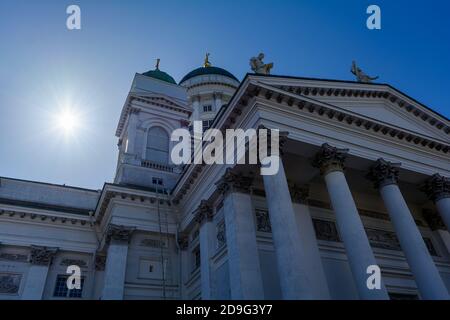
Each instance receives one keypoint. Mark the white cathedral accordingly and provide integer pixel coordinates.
(363, 184)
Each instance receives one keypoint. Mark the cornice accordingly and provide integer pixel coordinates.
(46, 216)
(111, 192)
(307, 104)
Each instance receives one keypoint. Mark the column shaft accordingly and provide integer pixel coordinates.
(243, 256)
(40, 259)
(116, 263)
(206, 243)
(295, 279)
(353, 235)
(35, 284)
(311, 249)
(443, 206)
(422, 265)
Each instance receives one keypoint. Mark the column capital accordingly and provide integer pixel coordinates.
(329, 159)
(183, 241)
(100, 262)
(42, 256)
(299, 194)
(433, 219)
(383, 173)
(282, 139)
(436, 187)
(204, 212)
(234, 182)
(119, 233)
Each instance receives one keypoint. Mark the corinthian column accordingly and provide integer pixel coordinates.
(330, 160)
(118, 238)
(384, 174)
(40, 259)
(243, 256)
(297, 279)
(437, 189)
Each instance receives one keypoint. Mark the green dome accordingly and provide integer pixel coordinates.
(208, 70)
(160, 75)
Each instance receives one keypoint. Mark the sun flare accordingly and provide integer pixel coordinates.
(67, 121)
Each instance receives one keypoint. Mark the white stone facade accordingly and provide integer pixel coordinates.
(162, 231)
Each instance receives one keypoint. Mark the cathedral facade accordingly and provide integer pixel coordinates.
(363, 184)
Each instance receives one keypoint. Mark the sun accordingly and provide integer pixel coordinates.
(67, 121)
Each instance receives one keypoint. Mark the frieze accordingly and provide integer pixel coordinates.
(383, 239)
(154, 243)
(71, 262)
(326, 230)
(10, 283)
(433, 219)
(263, 221)
(42, 255)
(362, 212)
(13, 257)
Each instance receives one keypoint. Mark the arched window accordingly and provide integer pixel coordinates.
(157, 146)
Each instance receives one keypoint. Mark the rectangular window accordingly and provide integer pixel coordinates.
(157, 181)
(207, 124)
(207, 108)
(61, 289)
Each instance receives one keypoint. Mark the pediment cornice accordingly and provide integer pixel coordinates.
(137, 101)
(315, 88)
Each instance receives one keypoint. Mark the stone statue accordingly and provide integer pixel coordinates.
(360, 75)
(258, 66)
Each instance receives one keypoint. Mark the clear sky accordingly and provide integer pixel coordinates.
(44, 66)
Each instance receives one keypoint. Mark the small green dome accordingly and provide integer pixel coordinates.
(208, 70)
(160, 75)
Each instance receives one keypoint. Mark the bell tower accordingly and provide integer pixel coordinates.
(155, 106)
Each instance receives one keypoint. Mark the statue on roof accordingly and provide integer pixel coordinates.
(157, 63)
(206, 62)
(360, 75)
(258, 66)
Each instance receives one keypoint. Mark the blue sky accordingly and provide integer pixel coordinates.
(44, 66)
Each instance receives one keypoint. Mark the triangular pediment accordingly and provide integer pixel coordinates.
(162, 100)
(379, 102)
(387, 113)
